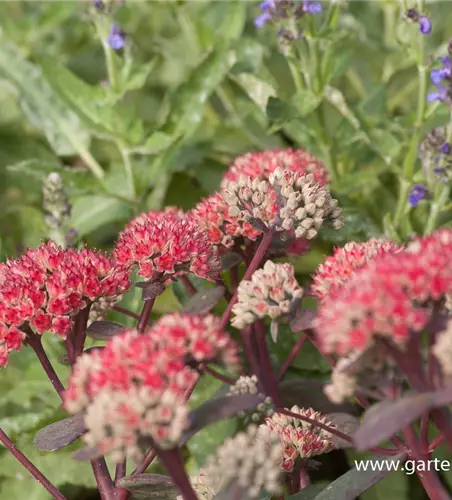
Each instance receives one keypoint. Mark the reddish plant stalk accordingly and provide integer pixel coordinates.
(104, 482)
(269, 381)
(120, 472)
(144, 316)
(291, 357)
(429, 479)
(188, 285)
(234, 277)
(35, 342)
(254, 264)
(311, 336)
(23, 460)
(172, 461)
(436, 442)
(219, 376)
(247, 342)
(126, 312)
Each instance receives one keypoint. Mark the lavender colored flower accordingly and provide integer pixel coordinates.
(99, 4)
(445, 148)
(266, 7)
(438, 95)
(312, 7)
(116, 38)
(418, 192)
(437, 75)
(425, 25)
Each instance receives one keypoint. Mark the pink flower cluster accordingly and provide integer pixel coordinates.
(390, 296)
(300, 439)
(47, 286)
(345, 261)
(197, 338)
(134, 388)
(165, 246)
(214, 214)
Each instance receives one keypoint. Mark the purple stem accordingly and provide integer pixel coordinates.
(292, 355)
(254, 264)
(247, 342)
(270, 381)
(144, 316)
(172, 461)
(189, 287)
(23, 460)
(120, 472)
(126, 312)
(35, 342)
(219, 376)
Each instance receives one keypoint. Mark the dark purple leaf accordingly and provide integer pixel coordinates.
(104, 330)
(86, 454)
(307, 393)
(303, 320)
(204, 300)
(354, 482)
(217, 409)
(152, 290)
(58, 435)
(148, 486)
(230, 260)
(385, 419)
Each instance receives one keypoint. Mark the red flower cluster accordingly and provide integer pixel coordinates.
(165, 214)
(167, 246)
(390, 296)
(197, 337)
(46, 286)
(345, 261)
(260, 165)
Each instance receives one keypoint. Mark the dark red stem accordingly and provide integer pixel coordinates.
(172, 461)
(145, 463)
(35, 342)
(126, 312)
(23, 460)
(292, 355)
(189, 287)
(247, 341)
(270, 381)
(312, 338)
(429, 479)
(105, 485)
(120, 472)
(234, 277)
(219, 376)
(254, 264)
(144, 316)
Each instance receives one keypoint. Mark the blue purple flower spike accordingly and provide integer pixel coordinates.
(437, 76)
(312, 7)
(116, 38)
(425, 25)
(418, 192)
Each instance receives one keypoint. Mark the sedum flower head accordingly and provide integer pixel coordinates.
(249, 385)
(196, 338)
(250, 459)
(261, 164)
(47, 286)
(166, 247)
(289, 202)
(272, 291)
(389, 297)
(167, 213)
(338, 268)
(300, 439)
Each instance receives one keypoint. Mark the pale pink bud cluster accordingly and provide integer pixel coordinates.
(167, 246)
(261, 164)
(288, 201)
(390, 296)
(249, 385)
(250, 459)
(102, 307)
(345, 261)
(47, 286)
(131, 392)
(272, 291)
(200, 487)
(300, 439)
(196, 338)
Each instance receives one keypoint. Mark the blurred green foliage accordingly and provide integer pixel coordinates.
(196, 86)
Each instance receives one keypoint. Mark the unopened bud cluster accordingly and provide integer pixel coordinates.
(288, 201)
(55, 202)
(272, 291)
(198, 483)
(250, 459)
(102, 307)
(249, 385)
(300, 439)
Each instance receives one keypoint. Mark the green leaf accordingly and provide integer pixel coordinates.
(189, 100)
(61, 126)
(150, 486)
(91, 212)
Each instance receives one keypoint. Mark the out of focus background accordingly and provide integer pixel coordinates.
(158, 121)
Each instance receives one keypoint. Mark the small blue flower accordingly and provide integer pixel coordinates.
(116, 38)
(267, 5)
(312, 8)
(425, 25)
(445, 148)
(418, 192)
(438, 95)
(262, 19)
(437, 75)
